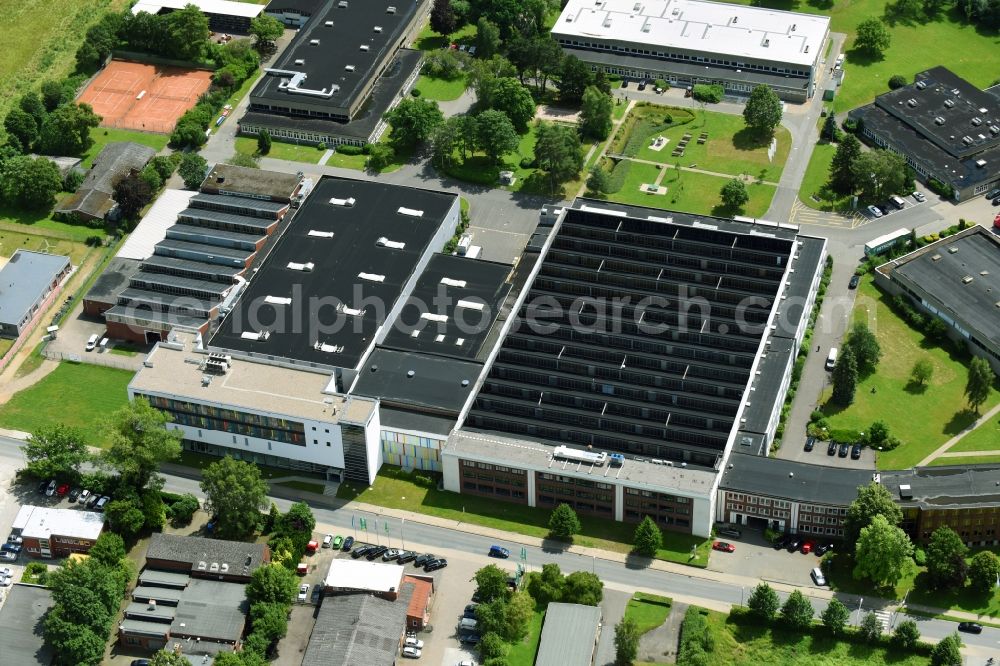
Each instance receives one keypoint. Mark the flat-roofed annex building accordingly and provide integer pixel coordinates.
(689, 42)
(50, 533)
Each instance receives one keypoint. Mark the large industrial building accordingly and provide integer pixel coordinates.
(956, 280)
(343, 70)
(688, 42)
(945, 127)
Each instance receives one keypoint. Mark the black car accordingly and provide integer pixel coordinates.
(855, 281)
(856, 452)
(642, 85)
(361, 551)
(423, 559)
(624, 83)
(970, 627)
(781, 542)
(11, 547)
(810, 443)
(470, 638)
(94, 499)
(793, 544)
(376, 552)
(822, 548)
(42, 485)
(844, 449)
(831, 448)
(140, 662)
(476, 597)
(434, 565)
(996, 201)
(406, 556)
(348, 544)
(994, 193)
(74, 494)
(470, 611)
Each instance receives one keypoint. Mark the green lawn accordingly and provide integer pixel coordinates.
(76, 394)
(281, 150)
(984, 438)
(730, 148)
(941, 404)
(31, 363)
(689, 192)
(105, 135)
(523, 654)
(970, 460)
(316, 488)
(648, 610)
(618, 111)
(11, 239)
(356, 162)
(441, 90)
(396, 489)
(815, 178)
(428, 40)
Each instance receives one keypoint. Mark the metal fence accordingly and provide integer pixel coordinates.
(94, 358)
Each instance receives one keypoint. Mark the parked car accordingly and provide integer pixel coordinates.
(470, 638)
(338, 541)
(84, 496)
(422, 560)
(434, 565)
(101, 503)
(361, 551)
(390, 554)
(62, 489)
(312, 546)
(328, 541)
(875, 211)
(13, 538)
(470, 611)
(411, 653)
(406, 556)
(856, 452)
(376, 552)
(994, 193)
(74, 494)
(729, 532)
(93, 500)
(831, 449)
(414, 642)
(140, 662)
(472, 50)
(844, 449)
(817, 575)
(793, 544)
(303, 592)
(348, 544)
(810, 443)
(724, 546)
(996, 201)
(317, 591)
(855, 281)
(970, 627)
(497, 551)
(822, 548)
(919, 196)
(624, 83)
(642, 85)
(807, 547)
(50, 489)
(6, 556)
(11, 548)
(302, 568)
(42, 485)
(781, 542)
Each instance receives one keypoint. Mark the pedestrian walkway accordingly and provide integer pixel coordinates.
(660, 644)
(717, 174)
(942, 451)
(326, 156)
(803, 214)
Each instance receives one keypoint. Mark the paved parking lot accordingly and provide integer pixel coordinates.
(71, 341)
(793, 448)
(755, 558)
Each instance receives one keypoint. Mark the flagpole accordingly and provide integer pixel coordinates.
(402, 537)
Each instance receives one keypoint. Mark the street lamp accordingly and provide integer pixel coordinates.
(861, 600)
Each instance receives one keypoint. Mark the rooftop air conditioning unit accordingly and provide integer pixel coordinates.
(349, 68)
(390, 9)
(342, 4)
(364, 47)
(949, 103)
(939, 121)
(977, 121)
(911, 102)
(980, 163)
(378, 28)
(920, 85)
(300, 61)
(328, 24)
(313, 42)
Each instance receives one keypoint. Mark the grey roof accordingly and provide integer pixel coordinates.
(358, 629)
(404, 419)
(786, 479)
(569, 635)
(235, 180)
(940, 271)
(163, 579)
(194, 214)
(21, 618)
(24, 280)
(767, 385)
(945, 487)
(807, 263)
(306, 7)
(271, 207)
(211, 609)
(439, 385)
(113, 162)
(193, 550)
(113, 281)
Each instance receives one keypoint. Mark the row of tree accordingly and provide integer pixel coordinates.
(873, 175)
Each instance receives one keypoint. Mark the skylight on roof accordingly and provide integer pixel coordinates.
(320, 234)
(395, 245)
(278, 300)
(430, 316)
(449, 282)
(411, 212)
(372, 277)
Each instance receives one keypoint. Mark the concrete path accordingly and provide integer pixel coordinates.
(667, 165)
(942, 451)
(660, 645)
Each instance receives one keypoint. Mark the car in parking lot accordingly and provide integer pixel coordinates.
(817, 575)
(302, 568)
(994, 193)
(729, 532)
(390, 554)
(411, 653)
(822, 548)
(11, 548)
(50, 488)
(62, 489)
(328, 541)
(414, 642)
(376, 552)
(422, 560)
(793, 544)
(470, 638)
(406, 556)
(361, 551)
(84, 496)
(996, 201)
(624, 83)
(919, 196)
(42, 485)
(970, 627)
(101, 503)
(807, 547)
(856, 452)
(7, 557)
(348, 544)
(434, 565)
(810, 443)
(855, 281)
(641, 86)
(724, 546)
(140, 662)
(497, 551)
(844, 449)
(470, 611)
(74, 494)
(874, 211)
(303, 592)
(781, 541)
(338, 541)
(93, 500)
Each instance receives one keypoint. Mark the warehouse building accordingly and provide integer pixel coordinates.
(22, 624)
(946, 128)
(569, 635)
(223, 15)
(957, 280)
(342, 72)
(689, 42)
(52, 533)
(27, 281)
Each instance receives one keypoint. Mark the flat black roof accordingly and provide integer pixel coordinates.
(453, 307)
(787, 479)
(946, 486)
(113, 281)
(438, 385)
(638, 332)
(798, 285)
(962, 275)
(22, 620)
(333, 40)
(404, 419)
(780, 352)
(338, 264)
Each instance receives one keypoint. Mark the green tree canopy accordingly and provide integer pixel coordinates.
(140, 441)
(55, 451)
(845, 378)
(125, 517)
(922, 372)
(872, 500)
(946, 553)
(21, 125)
(487, 39)
(583, 587)
(517, 614)
(563, 522)
(835, 617)
(443, 19)
(881, 552)
(29, 183)
(648, 538)
(947, 652)
(797, 611)
(266, 29)
(109, 549)
(188, 30)
(626, 641)
(872, 37)
(236, 494)
(762, 111)
(599, 181)
(168, 658)
(595, 114)
(877, 174)
(413, 121)
(763, 602)
(514, 100)
(269, 619)
(496, 135)
(492, 646)
(192, 170)
(841, 175)
(906, 635)
(491, 581)
(871, 627)
(546, 586)
(977, 387)
(66, 131)
(272, 584)
(574, 78)
(984, 570)
(263, 142)
(132, 193)
(734, 194)
(557, 152)
(865, 347)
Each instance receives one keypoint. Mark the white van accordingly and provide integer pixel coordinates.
(831, 358)
(817, 576)
(92, 342)
(897, 202)
(103, 346)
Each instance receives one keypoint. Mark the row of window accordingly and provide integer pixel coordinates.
(231, 421)
(635, 516)
(499, 491)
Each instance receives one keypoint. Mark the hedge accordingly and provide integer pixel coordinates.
(619, 173)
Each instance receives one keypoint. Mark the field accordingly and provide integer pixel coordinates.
(105, 135)
(441, 90)
(648, 610)
(75, 394)
(523, 654)
(12, 238)
(815, 178)
(984, 438)
(941, 404)
(418, 492)
(309, 154)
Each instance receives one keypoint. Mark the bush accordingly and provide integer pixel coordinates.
(618, 175)
(939, 188)
(526, 162)
(321, 145)
(708, 93)
(919, 557)
(415, 92)
(347, 149)
(94, 241)
(182, 510)
(897, 81)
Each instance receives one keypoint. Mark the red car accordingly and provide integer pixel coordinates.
(62, 490)
(724, 547)
(312, 547)
(807, 547)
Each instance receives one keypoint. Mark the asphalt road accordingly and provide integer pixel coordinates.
(632, 575)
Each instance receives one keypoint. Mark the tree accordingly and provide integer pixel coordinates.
(881, 552)
(182, 511)
(413, 121)
(947, 652)
(922, 372)
(763, 602)
(734, 194)
(984, 570)
(878, 432)
(109, 549)
(762, 112)
(599, 181)
(132, 193)
(187, 134)
(140, 441)
(863, 343)
(266, 29)
(841, 176)
(845, 378)
(192, 170)
(977, 387)
(31, 103)
(29, 183)
(66, 131)
(515, 101)
(595, 114)
(444, 141)
(490, 616)
(547, 586)
(897, 81)
(797, 611)
(519, 609)
(906, 635)
(263, 142)
(872, 500)
(648, 538)
(491, 582)
(492, 646)
(168, 658)
(872, 37)
(55, 452)
(626, 642)
(151, 177)
(443, 19)
(557, 152)
(946, 558)
(876, 174)
(380, 155)
(496, 135)
(601, 81)
(830, 131)
(487, 39)
(189, 33)
(125, 517)
(74, 645)
(270, 620)
(574, 78)
(563, 523)
(21, 125)
(835, 617)
(871, 627)
(583, 587)
(272, 584)
(236, 494)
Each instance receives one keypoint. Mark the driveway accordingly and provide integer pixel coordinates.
(756, 558)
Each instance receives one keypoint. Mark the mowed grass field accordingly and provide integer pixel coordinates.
(41, 38)
(440, 90)
(941, 405)
(984, 438)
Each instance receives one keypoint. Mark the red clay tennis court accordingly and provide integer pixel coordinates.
(140, 96)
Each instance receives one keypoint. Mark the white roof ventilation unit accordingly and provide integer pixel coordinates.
(364, 47)
(329, 24)
(411, 212)
(277, 300)
(470, 305)
(350, 312)
(378, 28)
(430, 316)
(449, 282)
(328, 349)
(349, 68)
(300, 61)
(313, 42)
(256, 336)
(391, 9)
(371, 277)
(315, 233)
(306, 267)
(346, 203)
(394, 245)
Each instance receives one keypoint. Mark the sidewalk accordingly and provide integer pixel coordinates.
(941, 451)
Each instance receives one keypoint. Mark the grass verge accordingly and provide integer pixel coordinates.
(523, 653)
(247, 145)
(984, 438)
(648, 610)
(813, 191)
(440, 90)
